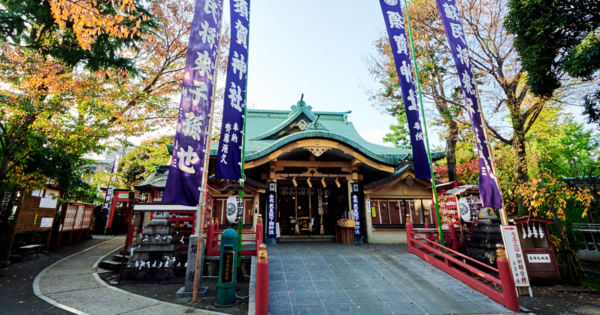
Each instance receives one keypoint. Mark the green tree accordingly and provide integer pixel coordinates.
(142, 161)
(91, 33)
(399, 135)
(555, 38)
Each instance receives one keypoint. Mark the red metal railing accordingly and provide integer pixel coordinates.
(423, 246)
(213, 238)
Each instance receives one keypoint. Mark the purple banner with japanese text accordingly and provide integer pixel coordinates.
(229, 157)
(488, 179)
(271, 215)
(356, 213)
(186, 172)
(394, 22)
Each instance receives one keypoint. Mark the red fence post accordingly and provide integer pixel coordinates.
(209, 239)
(511, 301)
(259, 233)
(262, 281)
(453, 236)
(409, 231)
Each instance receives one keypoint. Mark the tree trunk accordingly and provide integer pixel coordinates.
(571, 276)
(521, 169)
(451, 141)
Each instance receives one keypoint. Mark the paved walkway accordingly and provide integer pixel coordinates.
(72, 284)
(329, 278)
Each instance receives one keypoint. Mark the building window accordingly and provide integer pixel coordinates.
(393, 212)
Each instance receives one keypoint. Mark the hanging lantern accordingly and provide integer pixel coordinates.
(235, 208)
(337, 182)
(323, 182)
(294, 181)
(309, 183)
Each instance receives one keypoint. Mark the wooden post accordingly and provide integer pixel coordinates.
(204, 187)
(14, 228)
(511, 301)
(262, 282)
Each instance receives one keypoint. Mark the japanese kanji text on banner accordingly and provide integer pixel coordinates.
(186, 170)
(394, 22)
(355, 198)
(229, 158)
(488, 180)
(271, 215)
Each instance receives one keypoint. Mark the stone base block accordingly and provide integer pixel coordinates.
(158, 230)
(183, 295)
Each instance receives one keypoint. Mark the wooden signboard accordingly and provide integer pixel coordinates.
(35, 213)
(75, 222)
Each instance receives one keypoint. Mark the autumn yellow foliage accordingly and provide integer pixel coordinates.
(89, 21)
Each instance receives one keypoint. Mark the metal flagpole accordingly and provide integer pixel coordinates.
(434, 191)
(204, 188)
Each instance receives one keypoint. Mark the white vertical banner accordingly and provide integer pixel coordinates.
(512, 244)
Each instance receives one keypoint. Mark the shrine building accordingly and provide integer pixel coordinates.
(313, 162)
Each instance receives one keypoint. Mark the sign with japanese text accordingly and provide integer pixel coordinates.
(538, 258)
(227, 267)
(488, 179)
(229, 157)
(271, 215)
(355, 198)
(394, 22)
(512, 245)
(187, 166)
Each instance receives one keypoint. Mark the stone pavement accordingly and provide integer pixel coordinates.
(73, 284)
(330, 278)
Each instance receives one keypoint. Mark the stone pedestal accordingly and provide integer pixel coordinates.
(156, 252)
(187, 292)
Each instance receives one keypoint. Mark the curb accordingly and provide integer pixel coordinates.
(158, 302)
(252, 288)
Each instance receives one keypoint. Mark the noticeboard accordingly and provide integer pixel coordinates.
(227, 267)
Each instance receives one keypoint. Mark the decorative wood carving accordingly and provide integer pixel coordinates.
(317, 151)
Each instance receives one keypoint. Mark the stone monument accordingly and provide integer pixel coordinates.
(156, 253)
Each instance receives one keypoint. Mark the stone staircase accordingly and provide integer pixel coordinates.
(114, 264)
(307, 238)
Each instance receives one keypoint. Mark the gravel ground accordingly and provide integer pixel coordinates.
(548, 301)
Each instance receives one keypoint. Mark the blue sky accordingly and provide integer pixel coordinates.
(317, 48)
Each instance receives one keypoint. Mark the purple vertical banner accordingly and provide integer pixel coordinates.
(229, 158)
(355, 198)
(110, 190)
(108, 197)
(394, 22)
(488, 179)
(271, 215)
(185, 174)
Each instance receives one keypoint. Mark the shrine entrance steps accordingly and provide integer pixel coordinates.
(307, 238)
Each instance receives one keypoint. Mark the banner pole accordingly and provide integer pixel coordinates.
(433, 188)
(243, 179)
(204, 188)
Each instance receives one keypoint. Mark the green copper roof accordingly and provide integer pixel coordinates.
(267, 131)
